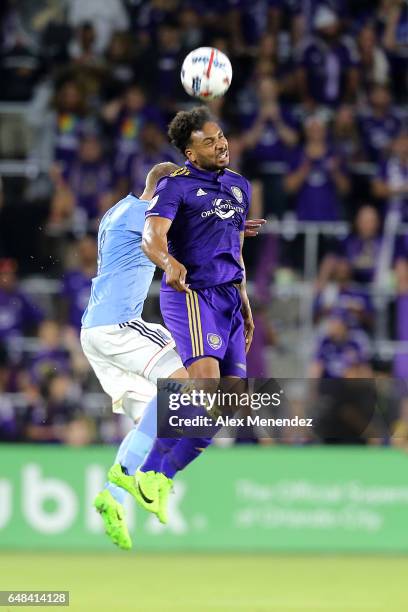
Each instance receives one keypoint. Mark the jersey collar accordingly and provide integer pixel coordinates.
(204, 174)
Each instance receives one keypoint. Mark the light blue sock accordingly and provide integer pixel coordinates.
(135, 446)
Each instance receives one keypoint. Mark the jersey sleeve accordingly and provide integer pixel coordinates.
(166, 200)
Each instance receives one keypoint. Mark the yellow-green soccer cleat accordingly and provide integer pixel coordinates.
(113, 516)
(165, 486)
(146, 492)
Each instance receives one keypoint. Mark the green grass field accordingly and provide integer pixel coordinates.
(197, 583)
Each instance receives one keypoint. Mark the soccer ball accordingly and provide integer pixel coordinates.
(206, 73)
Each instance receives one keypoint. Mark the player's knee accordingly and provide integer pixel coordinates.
(133, 407)
(207, 367)
(180, 373)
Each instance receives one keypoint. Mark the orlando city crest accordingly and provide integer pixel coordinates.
(214, 340)
(237, 193)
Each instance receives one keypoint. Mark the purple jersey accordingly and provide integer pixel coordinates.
(377, 133)
(362, 256)
(317, 198)
(76, 290)
(326, 68)
(270, 148)
(16, 313)
(208, 211)
(67, 135)
(337, 357)
(48, 362)
(351, 300)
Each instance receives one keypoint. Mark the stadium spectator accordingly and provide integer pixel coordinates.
(327, 63)
(83, 192)
(393, 20)
(344, 295)
(51, 357)
(246, 23)
(120, 65)
(379, 123)
(164, 58)
(77, 282)
(345, 133)
(107, 17)
(48, 420)
(18, 314)
(340, 352)
(20, 67)
(126, 116)
(154, 149)
(374, 66)
(391, 182)
(268, 50)
(150, 15)
(83, 48)
(317, 176)
(70, 111)
(191, 31)
(361, 248)
(271, 135)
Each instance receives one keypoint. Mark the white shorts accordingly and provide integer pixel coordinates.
(124, 357)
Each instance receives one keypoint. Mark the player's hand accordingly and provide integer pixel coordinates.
(176, 276)
(252, 227)
(248, 325)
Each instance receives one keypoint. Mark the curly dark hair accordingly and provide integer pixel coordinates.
(186, 122)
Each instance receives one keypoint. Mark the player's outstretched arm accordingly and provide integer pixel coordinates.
(154, 245)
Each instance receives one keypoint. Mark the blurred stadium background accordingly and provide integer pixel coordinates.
(317, 119)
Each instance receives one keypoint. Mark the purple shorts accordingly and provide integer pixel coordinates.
(207, 323)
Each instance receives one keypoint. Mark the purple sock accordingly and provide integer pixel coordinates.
(159, 450)
(182, 454)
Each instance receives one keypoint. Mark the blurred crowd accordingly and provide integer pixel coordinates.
(316, 118)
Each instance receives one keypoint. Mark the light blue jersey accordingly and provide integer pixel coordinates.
(124, 272)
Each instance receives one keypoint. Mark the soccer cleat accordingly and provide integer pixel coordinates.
(113, 516)
(146, 494)
(165, 486)
(147, 484)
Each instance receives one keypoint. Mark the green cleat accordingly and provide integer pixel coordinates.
(145, 492)
(147, 484)
(113, 516)
(165, 486)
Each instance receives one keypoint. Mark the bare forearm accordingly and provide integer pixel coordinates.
(286, 133)
(389, 37)
(294, 181)
(155, 248)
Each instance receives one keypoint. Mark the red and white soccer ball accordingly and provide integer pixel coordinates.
(206, 73)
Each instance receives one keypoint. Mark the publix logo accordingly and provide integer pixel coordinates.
(52, 506)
